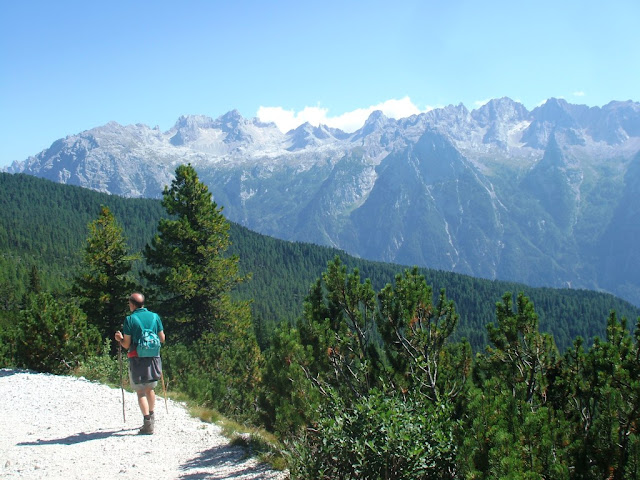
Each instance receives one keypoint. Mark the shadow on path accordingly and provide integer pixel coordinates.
(7, 372)
(80, 437)
(216, 459)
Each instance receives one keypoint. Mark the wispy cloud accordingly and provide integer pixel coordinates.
(348, 121)
(480, 103)
(579, 94)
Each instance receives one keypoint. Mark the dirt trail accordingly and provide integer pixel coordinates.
(70, 428)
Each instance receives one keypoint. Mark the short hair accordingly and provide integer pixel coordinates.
(137, 299)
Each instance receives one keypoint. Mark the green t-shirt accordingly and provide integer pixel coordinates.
(139, 319)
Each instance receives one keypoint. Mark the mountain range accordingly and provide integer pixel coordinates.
(547, 197)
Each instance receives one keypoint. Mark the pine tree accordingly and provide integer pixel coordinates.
(288, 401)
(338, 326)
(104, 285)
(602, 395)
(35, 286)
(514, 430)
(188, 254)
(195, 279)
(417, 339)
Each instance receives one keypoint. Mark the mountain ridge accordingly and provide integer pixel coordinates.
(531, 196)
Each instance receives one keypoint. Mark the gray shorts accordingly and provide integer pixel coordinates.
(144, 372)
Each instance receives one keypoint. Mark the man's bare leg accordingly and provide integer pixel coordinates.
(146, 400)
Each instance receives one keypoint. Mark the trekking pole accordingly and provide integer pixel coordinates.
(124, 418)
(164, 390)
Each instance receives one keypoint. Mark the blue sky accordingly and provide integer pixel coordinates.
(69, 66)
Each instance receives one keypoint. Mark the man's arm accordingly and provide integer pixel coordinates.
(161, 336)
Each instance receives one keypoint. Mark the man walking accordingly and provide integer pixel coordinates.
(144, 371)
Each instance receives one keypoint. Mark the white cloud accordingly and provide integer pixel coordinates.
(480, 103)
(288, 119)
(579, 94)
(348, 121)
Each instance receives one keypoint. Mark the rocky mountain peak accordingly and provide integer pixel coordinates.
(616, 122)
(556, 111)
(187, 128)
(501, 110)
(308, 135)
(230, 120)
(376, 117)
(500, 117)
(193, 121)
(237, 129)
(375, 123)
(555, 115)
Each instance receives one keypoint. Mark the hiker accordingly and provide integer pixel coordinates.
(143, 332)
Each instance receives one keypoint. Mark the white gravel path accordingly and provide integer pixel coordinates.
(59, 427)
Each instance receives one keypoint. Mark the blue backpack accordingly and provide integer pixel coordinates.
(149, 344)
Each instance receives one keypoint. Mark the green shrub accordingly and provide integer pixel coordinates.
(384, 436)
(215, 371)
(288, 400)
(104, 367)
(185, 373)
(53, 336)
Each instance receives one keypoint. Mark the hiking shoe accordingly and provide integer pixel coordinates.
(147, 427)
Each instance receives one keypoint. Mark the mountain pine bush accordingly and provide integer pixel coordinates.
(53, 335)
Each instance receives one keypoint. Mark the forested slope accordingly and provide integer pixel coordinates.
(44, 224)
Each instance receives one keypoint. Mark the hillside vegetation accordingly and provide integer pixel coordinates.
(44, 224)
